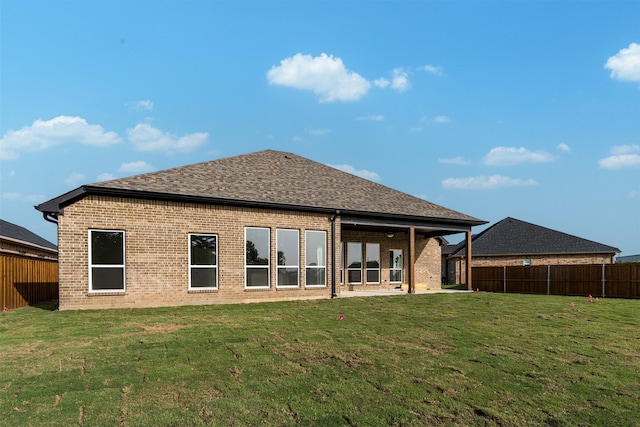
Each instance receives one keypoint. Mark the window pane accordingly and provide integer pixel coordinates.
(373, 276)
(257, 277)
(354, 276)
(107, 278)
(204, 250)
(203, 278)
(257, 246)
(315, 276)
(315, 248)
(288, 247)
(107, 247)
(354, 255)
(373, 255)
(287, 276)
(396, 276)
(395, 260)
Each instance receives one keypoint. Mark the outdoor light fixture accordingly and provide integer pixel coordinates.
(390, 235)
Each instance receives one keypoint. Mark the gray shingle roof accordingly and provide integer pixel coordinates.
(514, 237)
(17, 232)
(274, 178)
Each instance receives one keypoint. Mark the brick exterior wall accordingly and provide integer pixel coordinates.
(427, 259)
(518, 260)
(15, 248)
(157, 252)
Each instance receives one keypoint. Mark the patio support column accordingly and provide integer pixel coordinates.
(412, 260)
(468, 260)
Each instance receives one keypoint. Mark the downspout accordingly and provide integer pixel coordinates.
(50, 218)
(333, 254)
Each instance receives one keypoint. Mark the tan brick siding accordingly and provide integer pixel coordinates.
(156, 250)
(518, 260)
(15, 248)
(427, 262)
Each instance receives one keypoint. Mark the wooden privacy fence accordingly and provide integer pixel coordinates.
(27, 281)
(606, 280)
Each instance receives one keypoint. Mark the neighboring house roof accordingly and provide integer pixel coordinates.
(20, 234)
(628, 258)
(270, 179)
(514, 237)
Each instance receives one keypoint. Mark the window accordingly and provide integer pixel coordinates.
(203, 261)
(288, 250)
(316, 259)
(373, 262)
(257, 253)
(354, 262)
(395, 266)
(106, 261)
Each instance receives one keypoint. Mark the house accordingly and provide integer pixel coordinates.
(262, 226)
(17, 240)
(29, 267)
(513, 242)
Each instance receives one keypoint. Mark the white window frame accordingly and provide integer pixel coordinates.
(120, 266)
(214, 266)
(392, 268)
(366, 264)
(342, 263)
(322, 267)
(354, 269)
(248, 266)
(288, 266)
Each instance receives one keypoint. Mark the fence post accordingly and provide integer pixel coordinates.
(603, 280)
(504, 280)
(548, 278)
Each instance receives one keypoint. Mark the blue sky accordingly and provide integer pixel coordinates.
(528, 109)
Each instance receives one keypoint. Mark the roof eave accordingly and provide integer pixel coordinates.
(55, 206)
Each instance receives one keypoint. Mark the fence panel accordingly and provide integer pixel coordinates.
(620, 280)
(27, 281)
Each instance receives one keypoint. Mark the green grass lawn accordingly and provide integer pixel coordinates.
(443, 359)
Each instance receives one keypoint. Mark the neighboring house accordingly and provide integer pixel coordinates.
(512, 242)
(262, 226)
(17, 240)
(628, 258)
(28, 267)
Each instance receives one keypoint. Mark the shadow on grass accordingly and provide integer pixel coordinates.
(455, 286)
(47, 305)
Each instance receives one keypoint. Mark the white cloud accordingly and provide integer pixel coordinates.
(43, 134)
(74, 179)
(381, 83)
(625, 65)
(319, 131)
(296, 138)
(106, 176)
(135, 167)
(19, 197)
(363, 173)
(625, 149)
(436, 71)
(485, 182)
(442, 119)
(563, 147)
(144, 106)
(503, 156)
(633, 194)
(455, 161)
(373, 117)
(622, 156)
(147, 138)
(324, 75)
(400, 80)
